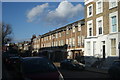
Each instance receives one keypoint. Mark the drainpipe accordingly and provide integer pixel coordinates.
(119, 49)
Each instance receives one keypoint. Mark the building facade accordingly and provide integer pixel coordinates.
(36, 44)
(103, 31)
(68, 40)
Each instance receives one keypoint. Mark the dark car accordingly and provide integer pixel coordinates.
(114, 70)
(37, 68)
(72, 64)
(11, 62)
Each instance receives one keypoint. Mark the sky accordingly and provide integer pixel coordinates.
(28, 18)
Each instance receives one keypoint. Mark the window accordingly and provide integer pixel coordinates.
(114, 22)
(52, 44)
(94, 47)
(113, 3)
(50, 37)
(99, 6)
(89, 28)
(56, 35)
(70, 41)
(53, 36)
(99, 26)
(79, 27)
(88, 48)
(66, 41)
(59, 34)
(73, 28)
(67, 30)
(59, 43)
(73, 42)
(79, 40)
(62, 42)
(113, 46)
(82, 42)
(114, 28)
(90, 31)
(90, 10)
(47, 37)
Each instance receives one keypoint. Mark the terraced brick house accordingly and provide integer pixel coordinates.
(102, 20)
(66, 42)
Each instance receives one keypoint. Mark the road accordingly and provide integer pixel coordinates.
(70, 74)
(67, 74)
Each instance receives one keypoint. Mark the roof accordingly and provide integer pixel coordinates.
(61, 28)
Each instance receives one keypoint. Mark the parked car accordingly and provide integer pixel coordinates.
(11, 62)
(114, 70)
(72, 64)
(38, 68)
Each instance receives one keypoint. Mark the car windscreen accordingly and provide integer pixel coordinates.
(38, 66)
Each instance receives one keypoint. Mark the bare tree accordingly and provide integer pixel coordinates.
(6, 31)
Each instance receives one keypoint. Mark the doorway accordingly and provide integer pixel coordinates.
(103, 51)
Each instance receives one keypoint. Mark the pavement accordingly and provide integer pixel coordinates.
(104, 71)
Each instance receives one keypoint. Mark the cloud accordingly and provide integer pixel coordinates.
(36, 11)
(62, 14)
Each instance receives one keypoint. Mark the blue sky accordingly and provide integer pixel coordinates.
(28, 18)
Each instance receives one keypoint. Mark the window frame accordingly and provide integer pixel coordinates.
(88, 27)
(97, 7)
(111, 2)
(97, 25)
(110, 21)
(112, 47)
(88, 11)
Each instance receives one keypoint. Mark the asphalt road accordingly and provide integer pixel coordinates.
(67, 74)
(73, 74)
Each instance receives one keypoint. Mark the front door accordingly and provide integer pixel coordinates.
(103, 51)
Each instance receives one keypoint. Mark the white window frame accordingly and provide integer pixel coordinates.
(110, 21)
(56, 35)
(89, 22)
(79, 26)
(88, 10)
(59, 34)
(50, 37)
(88, 47)
(82, 40)
(73, 28)
(111, 2)
(94, 47)
(113, 47)
(97, 10)
(67, 29)
(79, 41)
(73, 41)
(97, 26)
(67, 41)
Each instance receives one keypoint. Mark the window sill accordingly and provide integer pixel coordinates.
(113, 7)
